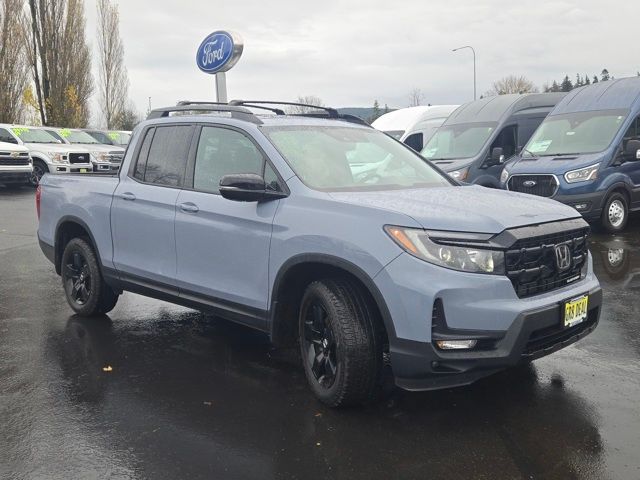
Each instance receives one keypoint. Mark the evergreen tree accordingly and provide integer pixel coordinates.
(386, 108)
(595, 79)
(604, 76)
(578, 81)
(375, 111)
(566, 85)
(587, 81)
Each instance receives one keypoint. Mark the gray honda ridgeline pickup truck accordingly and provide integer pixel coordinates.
(319, 230)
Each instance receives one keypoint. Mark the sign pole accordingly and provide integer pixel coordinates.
(221, 87)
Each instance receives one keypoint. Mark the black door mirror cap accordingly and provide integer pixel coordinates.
(247, 187)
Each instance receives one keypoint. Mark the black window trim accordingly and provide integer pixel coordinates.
(136, 154)
(191, 161)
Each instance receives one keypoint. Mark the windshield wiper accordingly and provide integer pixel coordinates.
(533, 155)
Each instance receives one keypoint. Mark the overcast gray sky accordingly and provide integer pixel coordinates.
(351, 52)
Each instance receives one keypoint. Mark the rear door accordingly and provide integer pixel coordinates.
(223, 245)
(144, 207)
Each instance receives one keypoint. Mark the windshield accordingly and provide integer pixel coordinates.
(78, 136)
(452, 142)
(55, 135)
(34, 135)
(119, 138)
(101, 137)
(336, 158)
(575, 133)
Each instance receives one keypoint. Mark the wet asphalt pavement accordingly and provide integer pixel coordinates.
(190, 396)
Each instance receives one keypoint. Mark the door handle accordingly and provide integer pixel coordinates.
(127, 196)
(189, 207)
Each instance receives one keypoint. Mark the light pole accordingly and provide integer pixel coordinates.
(474, 66)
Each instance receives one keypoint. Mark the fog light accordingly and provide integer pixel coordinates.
(581, 206)
(455, 344)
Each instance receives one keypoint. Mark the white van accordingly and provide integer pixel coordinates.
(414, 125)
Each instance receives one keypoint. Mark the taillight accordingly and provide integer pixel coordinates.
(38, 194)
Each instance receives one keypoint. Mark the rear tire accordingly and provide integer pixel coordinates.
(85, 289)
(615, 213)
(340, 343)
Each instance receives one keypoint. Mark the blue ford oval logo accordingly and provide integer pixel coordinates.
(218, 52)
(529, 183)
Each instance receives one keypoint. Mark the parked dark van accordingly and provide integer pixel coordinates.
(587, 153)
(476, 140)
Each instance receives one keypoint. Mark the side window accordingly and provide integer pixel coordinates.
(507, 141)
(221, 152)
(633, 133)
(141, 163)
(271, 179)
(168, 154)
(5, 136)
(414, 141)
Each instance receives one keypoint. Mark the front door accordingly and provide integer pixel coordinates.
(223, 245)
(144, 208)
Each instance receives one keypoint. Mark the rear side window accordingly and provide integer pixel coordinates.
(221, 152)
(414, 141)
(168, 154)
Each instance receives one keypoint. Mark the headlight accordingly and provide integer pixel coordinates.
(460, 175)
(582, 174)
(504, 176)
(100, 156)
(466, 259)
(57, 157)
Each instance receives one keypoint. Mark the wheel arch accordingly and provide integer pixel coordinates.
(70, 227)
(291, 281)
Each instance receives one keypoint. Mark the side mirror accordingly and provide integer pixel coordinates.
(497, 157)
(632, 150)
(243, 187)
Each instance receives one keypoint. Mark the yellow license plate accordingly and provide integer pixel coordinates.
(83, 170)
(575, 311)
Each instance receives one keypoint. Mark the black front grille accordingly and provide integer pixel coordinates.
(540, 185)
(8, 159)
(115, 157)
(532, 265)
(79, 158)
(549, 337)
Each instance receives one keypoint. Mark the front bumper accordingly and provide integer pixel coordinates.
(106, 167)
(532, 335)
(474, 306)
(588, 204)
(61, 168)
(18, 174)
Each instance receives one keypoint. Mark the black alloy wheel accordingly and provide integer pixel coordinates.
(77, 278)
(320, 344)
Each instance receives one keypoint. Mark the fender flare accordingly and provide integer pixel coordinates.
(82, 223)
(340, 263)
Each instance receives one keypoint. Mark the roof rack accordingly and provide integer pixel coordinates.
(239, 112)
(240, 109)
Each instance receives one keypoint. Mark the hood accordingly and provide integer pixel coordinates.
(12, 147)
(56, 147)
(555, 164)
(100, 147)
(464, 209)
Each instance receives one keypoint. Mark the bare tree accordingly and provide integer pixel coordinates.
(307, 100)
(60, 61)
(512, 84)
(113, 81)
(14, 72)
(416, 97)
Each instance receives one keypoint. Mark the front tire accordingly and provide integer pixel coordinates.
(615, 213)
(85, 289)
(39, 169)
(340, 343)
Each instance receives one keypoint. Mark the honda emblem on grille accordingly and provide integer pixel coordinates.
(563, 257)
(529, 183)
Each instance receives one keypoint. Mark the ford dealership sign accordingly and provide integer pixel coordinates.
(219, 52)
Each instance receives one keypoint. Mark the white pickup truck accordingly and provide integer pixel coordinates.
(48, 154)
(15, 164)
